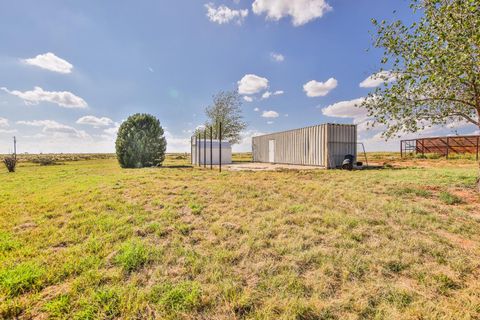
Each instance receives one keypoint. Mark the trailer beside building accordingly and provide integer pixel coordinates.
(324, 145)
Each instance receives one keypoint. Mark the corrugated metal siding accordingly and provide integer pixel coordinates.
(322, 145)
(205, 147)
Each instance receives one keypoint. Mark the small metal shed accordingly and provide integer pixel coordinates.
(201, 151)
(324, 145)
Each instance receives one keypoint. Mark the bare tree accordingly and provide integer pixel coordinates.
(226, 109)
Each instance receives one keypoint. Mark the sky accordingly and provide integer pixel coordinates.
(72, 71)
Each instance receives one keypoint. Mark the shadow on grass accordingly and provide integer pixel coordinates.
(180, 166)
(384, 168)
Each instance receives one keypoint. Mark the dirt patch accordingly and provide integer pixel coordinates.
(257, 166)
(469, 196)
(463, 243)
(26, 225)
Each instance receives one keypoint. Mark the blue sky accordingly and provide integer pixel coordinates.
(71, 71)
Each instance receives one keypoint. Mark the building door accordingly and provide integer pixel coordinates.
(271, 151)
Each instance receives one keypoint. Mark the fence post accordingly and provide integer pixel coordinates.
(478, 140)
(205, 148)
(211, 147)
(401, 149)
(220, 146)
(448, 147)
(199, 149)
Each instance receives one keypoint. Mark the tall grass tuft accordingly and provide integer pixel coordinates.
(10, 163)
(132, 256)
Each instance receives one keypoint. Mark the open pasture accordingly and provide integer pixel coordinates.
(88, 240)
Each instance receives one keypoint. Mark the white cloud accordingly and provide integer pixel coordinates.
(223, 14)
(245, 144)
(319, 89)
(268, 94)
(112, 131)
(52, 126)
(94, 121)
(270, 122)
(251, 84)
(50, 61)
(301, 11)
(3, 122)
(278, 57)
(248, 99)
(8, 130)
(256, 109)
(377, 79)
(346, 109)
(62, 98)
(177, 143)
(270, 114)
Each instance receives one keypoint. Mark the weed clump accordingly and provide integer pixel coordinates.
(20, 279)
(172, 298)
(132, 256)
(10, 163)
(449, 198)
(45, 161)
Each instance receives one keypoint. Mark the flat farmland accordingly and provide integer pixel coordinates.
(88, 240)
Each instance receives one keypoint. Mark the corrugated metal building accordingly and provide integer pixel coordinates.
(322, 145)
(201, 151)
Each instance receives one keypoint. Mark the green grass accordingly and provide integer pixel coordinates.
(132, 256)
(88, 240)
(21, 278)
(449, 198)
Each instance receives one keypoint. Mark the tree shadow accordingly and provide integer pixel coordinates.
(180, 166)
(367, 168)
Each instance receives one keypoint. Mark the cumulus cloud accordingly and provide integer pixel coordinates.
(248, 99)
(319, 89)
(277, 57)
(94, 121)
(112, 131)
(52, 126)
(223, 14)
(268, 94)
(256, 109)
(64, 99)
(301, 11)
(245, 144)
(346, 109)
(270, 114)
(3, 122)
(377, 79)
(177, 143)
(251, 84)
(50, 61)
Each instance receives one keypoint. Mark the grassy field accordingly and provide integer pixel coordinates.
(88, 240)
